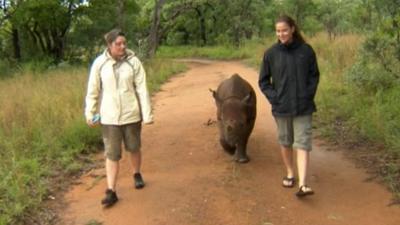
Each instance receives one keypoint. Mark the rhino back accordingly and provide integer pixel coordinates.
(235, 86)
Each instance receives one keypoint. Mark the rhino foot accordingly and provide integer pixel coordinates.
(242, 159)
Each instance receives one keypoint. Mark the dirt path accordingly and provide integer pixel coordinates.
(190, 180)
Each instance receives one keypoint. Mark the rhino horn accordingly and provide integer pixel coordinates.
(247, 99)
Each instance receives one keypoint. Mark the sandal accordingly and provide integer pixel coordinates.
(304, 191)
(288, 182)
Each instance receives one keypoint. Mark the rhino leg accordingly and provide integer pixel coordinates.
(228, 148)
(241, 151)
(241, 156)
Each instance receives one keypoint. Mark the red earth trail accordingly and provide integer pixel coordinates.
(190, 180)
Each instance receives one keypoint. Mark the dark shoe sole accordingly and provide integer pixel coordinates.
(139, 186)
(302, 193)
(290, 180)
(109, 204)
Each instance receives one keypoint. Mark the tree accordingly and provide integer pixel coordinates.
(204, 22)
(153, 38)
(42, 24)
(378, 64)
(93, 20)
(337, 16)
(8, 9)
(298, 9)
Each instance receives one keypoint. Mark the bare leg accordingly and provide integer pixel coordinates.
(302, 165)
(287, 156)
(112, 168)
(136, 161)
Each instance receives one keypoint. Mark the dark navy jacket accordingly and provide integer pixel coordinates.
(289, 78)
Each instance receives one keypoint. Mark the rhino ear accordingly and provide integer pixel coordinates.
(214, 94)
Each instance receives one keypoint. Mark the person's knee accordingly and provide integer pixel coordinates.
(113, 156)
(134, 152)
(285, 140)
(305, 145)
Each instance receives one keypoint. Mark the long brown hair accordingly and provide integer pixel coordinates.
(289, 21)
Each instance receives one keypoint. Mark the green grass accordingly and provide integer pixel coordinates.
(246, 51)
(43, 132)
(160, 70)
(93, 222)
(334, 96)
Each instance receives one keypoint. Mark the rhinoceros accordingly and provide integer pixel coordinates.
(236, 114)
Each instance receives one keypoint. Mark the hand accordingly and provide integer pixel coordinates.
(90, 123)
(148, 122)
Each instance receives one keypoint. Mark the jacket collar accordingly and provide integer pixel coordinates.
(129, 54)
(292, 45)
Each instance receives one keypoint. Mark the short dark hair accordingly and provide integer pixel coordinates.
(290, 21)
(112, 35)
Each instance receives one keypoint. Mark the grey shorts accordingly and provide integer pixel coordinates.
(114, 135)
(295, 132)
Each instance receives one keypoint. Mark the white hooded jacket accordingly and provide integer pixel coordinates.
(121, 86)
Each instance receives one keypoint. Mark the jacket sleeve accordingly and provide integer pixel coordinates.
(142, 92)
(313, 79)
(93, 91)
(265, 81)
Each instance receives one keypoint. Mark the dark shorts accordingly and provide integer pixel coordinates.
(114, 135)
(295, 131)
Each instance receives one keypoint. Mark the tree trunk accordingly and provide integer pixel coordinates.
(58, 46)
(239, 30)
(120, 15)
(299, 11)
(153, 39)
(202, 22)
(16, 45)
(37, 38)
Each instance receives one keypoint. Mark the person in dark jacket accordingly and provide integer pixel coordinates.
(289, 78)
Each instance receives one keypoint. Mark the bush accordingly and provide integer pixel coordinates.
(6, 69)
(37, 65)
(358, 98)
(389, 120)
(377, 66)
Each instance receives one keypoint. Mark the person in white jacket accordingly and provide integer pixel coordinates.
(117, 85)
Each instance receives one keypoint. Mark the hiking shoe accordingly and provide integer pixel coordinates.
(110, 199)
(139, 183)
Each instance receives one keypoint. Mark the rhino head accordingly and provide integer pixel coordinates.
(233, 115)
